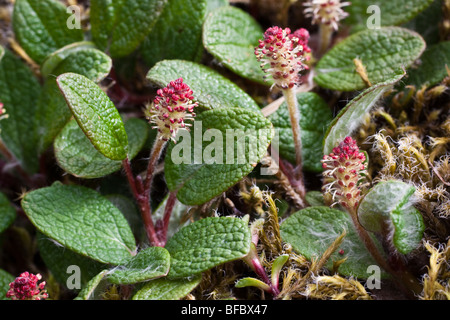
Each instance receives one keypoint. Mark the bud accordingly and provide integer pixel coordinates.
(283, 53)
(343, 170)
(171, 108)
(303, 38)
(326, 12)
(26, 287)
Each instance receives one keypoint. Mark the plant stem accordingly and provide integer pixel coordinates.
(144, 205)
(253, 261)
(158, 146)
(325, 32)
(368, 242)
(407, 281)
(170, 204)
(294, 115)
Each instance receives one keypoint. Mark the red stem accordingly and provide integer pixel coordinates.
(170, 204)
(144, 205)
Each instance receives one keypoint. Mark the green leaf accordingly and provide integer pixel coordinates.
(231, 35)
(103, 15)
(134, 20)
(314, 198)
(392, 12)
(76, 155)
(167, 289)
(179, 26)
(130, 211)
(352, 116)
(211, 90)
(96, 115)
(277, 265)
(312, 230)
(252, 282)
(389, 205)
(80, 57)
(81, 220)
(7, 213)
(315, 116)
(427, 22)
(207, 243)
(433, 66)
(383, 52)
(41, 27)
(5, 279)
(58, 260)
(2, 53)
(241, 139)
(211, 5)
(148, 264)
(52, 113)
(88, 291)
(19, 89)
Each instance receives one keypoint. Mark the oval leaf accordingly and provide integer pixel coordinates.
(150, 263)
(391, 13)
(179, 26)
(52, 112)
(61, 260)
(134, 20)
(315, 116)
(312, 230)
(167, 289)
(231, 35)
(207, 243)
(383, 53)
(211, 89)
(103, 15)
(77, 156)
(19, 89)
(352, 116)
(433, 66)
(41, 27)
(96, 115)
(241, 139)
(81, 220)
(389, 204)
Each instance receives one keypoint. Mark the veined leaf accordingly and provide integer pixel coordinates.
(82, 220)
(211, 90)
(389, 205)
(41, 27)
(383, 52)
(240, 140)
(96, 115)
(207, 243)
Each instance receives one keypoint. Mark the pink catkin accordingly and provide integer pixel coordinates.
(171, 108)
(343, 170)
(282, 54)
(26, 287)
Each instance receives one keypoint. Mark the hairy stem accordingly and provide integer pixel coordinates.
(326, 33)
(154, 156)
(294, 115)
(144, 205)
